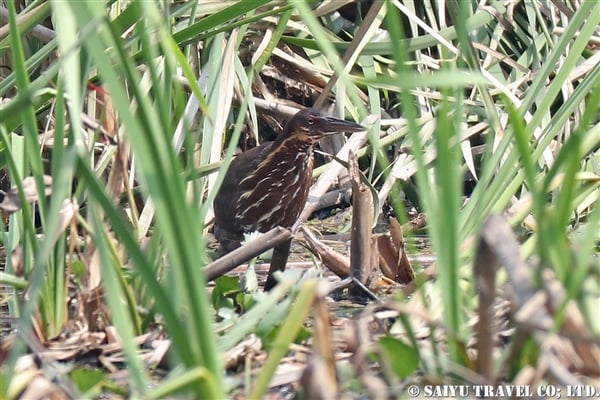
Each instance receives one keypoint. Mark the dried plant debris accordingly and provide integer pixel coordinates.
(393, 259)
(12, 199)
(568, 351)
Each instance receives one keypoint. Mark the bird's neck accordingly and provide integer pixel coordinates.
(300, 140)
(292, 150)
(296, 143)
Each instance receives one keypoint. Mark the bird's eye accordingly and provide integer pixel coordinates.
(310, 121)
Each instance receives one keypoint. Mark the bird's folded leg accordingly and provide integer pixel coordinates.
(278, 262)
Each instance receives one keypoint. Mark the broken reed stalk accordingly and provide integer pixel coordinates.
(252, 249)
(337, 263)
(362, 220)
(404, 271)
(319, 379)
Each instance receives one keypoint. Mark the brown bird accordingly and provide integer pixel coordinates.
(267, 186)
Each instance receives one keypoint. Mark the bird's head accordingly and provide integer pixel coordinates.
(311, 124)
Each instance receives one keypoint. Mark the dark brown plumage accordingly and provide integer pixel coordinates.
(268, 185)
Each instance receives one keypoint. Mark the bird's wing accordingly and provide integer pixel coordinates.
(228, 196)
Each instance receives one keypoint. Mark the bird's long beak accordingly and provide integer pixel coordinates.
(335, 125)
